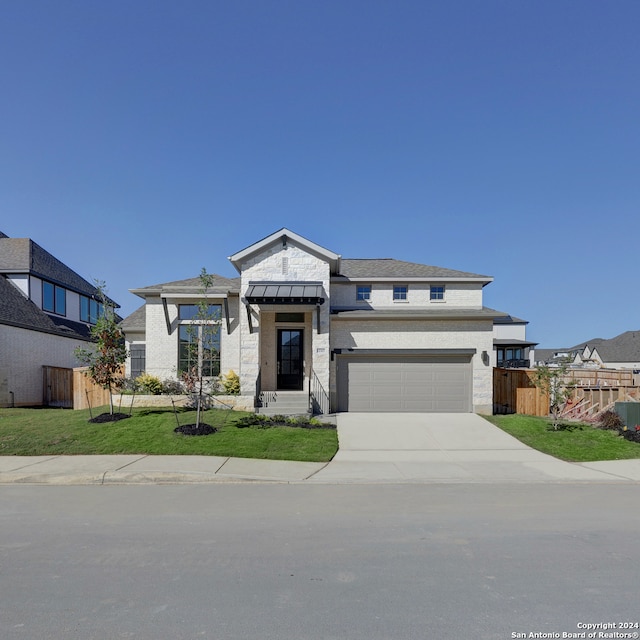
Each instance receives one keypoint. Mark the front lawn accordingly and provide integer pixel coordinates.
(575, 442)
(38, 432)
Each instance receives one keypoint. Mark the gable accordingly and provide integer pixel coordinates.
(282, 240)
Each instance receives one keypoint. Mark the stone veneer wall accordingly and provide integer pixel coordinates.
(278, 264)
(237, 403)
(162, 347)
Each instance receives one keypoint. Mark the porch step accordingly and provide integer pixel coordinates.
(285, 403)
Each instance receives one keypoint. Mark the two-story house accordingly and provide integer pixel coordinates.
(46, 311)
(368, 335)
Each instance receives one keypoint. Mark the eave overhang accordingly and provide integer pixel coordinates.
(415, 314)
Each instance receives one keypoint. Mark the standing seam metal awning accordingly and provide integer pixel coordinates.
(285, 293)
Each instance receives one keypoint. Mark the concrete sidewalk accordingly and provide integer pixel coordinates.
(139, 469)
(374, 448)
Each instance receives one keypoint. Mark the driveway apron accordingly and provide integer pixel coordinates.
(440, 447)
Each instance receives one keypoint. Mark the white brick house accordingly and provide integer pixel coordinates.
(350, 334)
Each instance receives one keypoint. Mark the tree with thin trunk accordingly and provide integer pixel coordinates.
(105, 358)
(553, 383)
(202, 349)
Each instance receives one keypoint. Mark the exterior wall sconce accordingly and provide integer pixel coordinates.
(485, 358)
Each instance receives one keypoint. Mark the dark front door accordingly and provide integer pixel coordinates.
(290, 361)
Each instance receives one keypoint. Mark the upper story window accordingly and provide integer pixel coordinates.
(90, 310)
(54, 298)
(400, 292)
(363, 292)
(437, 292)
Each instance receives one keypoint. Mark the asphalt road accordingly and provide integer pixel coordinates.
(342, 562)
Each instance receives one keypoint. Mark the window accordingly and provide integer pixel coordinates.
(437, 292)
(90, 310)
(199, 339)
(290, 317)
(54, 298)
(192, 311)
(400, 292)
(199, 346)
(363, 292)
(138, 359)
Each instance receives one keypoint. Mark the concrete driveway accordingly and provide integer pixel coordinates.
(442, 447)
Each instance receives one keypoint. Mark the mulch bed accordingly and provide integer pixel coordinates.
(195, 430)
(109, 417)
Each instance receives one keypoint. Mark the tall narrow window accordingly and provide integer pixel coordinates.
(199, 338)
(54, 298)
(197, 345)
(90, 309)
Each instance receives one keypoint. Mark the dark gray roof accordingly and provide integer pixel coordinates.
(285, 293)
(391, 268)
(220, 284)
(135, 321)
(3, 235)
(18, 311)
(622, 348)
(23, 255)
(508, 319)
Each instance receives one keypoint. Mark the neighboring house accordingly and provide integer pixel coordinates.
(621, 352)
(512, 349)
(46, 311)
(354, 334)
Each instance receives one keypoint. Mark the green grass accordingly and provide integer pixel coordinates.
(575, 442)
(40, 432)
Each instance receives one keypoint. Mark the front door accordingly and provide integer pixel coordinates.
(290, 360)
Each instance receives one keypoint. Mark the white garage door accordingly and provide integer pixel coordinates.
(405, 384)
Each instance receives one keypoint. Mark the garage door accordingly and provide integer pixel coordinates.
(404, 384)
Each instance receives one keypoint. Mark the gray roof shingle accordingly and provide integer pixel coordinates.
(18, 311)
(220, 284)
(622, 348)
(391, 268)
(23, 255)
(135, 321)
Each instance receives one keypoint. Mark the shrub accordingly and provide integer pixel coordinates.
(149, 384)
(610, 420)
(231, 383)
(172, 387)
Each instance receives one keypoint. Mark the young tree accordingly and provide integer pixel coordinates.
(552, 381)
(200, 352)
(104, 360)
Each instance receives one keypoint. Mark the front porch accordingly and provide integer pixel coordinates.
(292, 376)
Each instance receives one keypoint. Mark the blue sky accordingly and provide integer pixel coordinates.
(142, 140)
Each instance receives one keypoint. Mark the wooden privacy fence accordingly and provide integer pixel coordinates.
(57, 387)
(86, 393)
(514, 392)
(595, 391)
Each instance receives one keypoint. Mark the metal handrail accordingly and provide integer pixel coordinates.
(318, 397)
